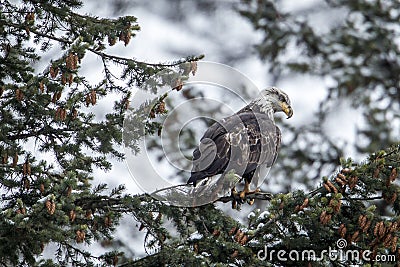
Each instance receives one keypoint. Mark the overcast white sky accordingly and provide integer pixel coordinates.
(219, 35)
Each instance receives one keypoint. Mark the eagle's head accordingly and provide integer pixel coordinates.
(275, 99)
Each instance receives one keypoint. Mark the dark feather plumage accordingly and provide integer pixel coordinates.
(247, 142)
(241, 142)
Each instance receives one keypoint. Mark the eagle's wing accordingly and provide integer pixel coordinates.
(264, 139)
(241, 142)
(264, 153)
(212, 155)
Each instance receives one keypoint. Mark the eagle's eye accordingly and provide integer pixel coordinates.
(282, 98)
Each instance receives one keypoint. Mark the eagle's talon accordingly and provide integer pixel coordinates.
(247, 191)
(237, 200)
(234, 193)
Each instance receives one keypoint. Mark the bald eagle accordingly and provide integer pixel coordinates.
(246, 142)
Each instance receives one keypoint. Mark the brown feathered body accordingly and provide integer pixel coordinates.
(246, 142)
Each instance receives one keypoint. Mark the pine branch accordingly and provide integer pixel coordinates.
(258, 195)
(118, 59)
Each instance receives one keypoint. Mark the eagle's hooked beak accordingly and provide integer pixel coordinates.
(287, 109)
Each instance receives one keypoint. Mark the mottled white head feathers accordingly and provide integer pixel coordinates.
(271, 100)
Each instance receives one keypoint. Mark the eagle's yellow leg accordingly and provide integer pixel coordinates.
(234, 194)
(247, 191)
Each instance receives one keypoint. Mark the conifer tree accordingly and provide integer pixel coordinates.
(50, 138)
(49, 112)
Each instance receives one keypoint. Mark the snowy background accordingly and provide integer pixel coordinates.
(174, 29)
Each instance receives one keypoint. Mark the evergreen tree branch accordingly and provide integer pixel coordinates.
(257, 196)
(117, 59)
(332, 211)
